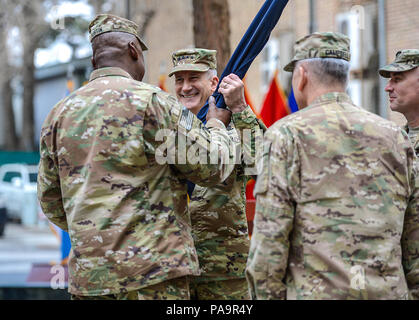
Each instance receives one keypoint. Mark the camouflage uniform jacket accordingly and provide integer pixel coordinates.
(414, 141)
(218, 213)
(99, 178)
(337, 213)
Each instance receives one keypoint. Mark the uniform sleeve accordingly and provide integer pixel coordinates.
(268, 256)
(49, 191)
(247, 120)
(250, 130)
(200, 153)
(410, 237)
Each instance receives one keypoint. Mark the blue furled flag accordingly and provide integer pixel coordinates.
(252, 43)
(291, 102)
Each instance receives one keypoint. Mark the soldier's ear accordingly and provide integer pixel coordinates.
(214, 83)
(302, 77)
(93, 63)
(133, 51)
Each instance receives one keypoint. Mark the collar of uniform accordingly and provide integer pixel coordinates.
(109, 71)
(333, 96)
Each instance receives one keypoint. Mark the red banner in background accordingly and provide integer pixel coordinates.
(275, 105)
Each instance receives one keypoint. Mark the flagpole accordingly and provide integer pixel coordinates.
(128, 9)
(313, 26)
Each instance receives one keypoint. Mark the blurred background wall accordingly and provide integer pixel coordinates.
(44, 62)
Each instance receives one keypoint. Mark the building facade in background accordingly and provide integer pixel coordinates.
(172, 28)
(168, 26)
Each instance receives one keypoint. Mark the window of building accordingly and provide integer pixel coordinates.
(270, 62)
(359, 23)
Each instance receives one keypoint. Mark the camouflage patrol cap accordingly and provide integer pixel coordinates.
(321, 45)
(405, 60)
(111, 23)
(195, 59)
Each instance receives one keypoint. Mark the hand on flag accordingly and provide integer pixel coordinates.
(232, 88)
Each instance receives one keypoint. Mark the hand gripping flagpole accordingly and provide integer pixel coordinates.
(252, 43)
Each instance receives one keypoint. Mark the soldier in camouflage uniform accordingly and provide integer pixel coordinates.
(218, 213)
(403, 90)
(337, 214)
(100, 176)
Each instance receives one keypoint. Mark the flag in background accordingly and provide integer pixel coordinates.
(163, 76)
(251, 182)
(291, 101)
(275, 104)
(162, 82)
(70, 86)
(70, 80)
(248, 99)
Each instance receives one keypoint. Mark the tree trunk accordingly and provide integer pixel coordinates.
(28, 75)
(212, 28)
(32, 29)
(8, 130)
(11, 140)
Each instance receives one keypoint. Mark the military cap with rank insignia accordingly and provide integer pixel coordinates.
(195, 59)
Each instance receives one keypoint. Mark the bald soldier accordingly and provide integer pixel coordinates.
(337, 213)
(100, 177)
(403, 90)
(218, 213)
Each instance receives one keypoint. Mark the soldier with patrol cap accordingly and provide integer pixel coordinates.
(403, 90)
(337, 212)
(218, 213)
(101, 179)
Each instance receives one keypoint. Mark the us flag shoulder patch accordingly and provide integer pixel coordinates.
(186, 119)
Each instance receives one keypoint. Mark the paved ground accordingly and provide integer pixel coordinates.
(20, 248)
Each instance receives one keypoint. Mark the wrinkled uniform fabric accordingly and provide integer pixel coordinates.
(232, 289)
(414, 138)
(337, 208)
(99, 179)
(173, 289)
(218, 213)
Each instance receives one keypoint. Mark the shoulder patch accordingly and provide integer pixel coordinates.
(186, 119)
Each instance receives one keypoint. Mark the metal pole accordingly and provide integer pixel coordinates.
(382, 55)
(313, 26)
(127, 9)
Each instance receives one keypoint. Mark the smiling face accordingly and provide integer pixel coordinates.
(194, 88)
(403, 91)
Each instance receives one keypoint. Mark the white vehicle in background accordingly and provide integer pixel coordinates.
(18, 189)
